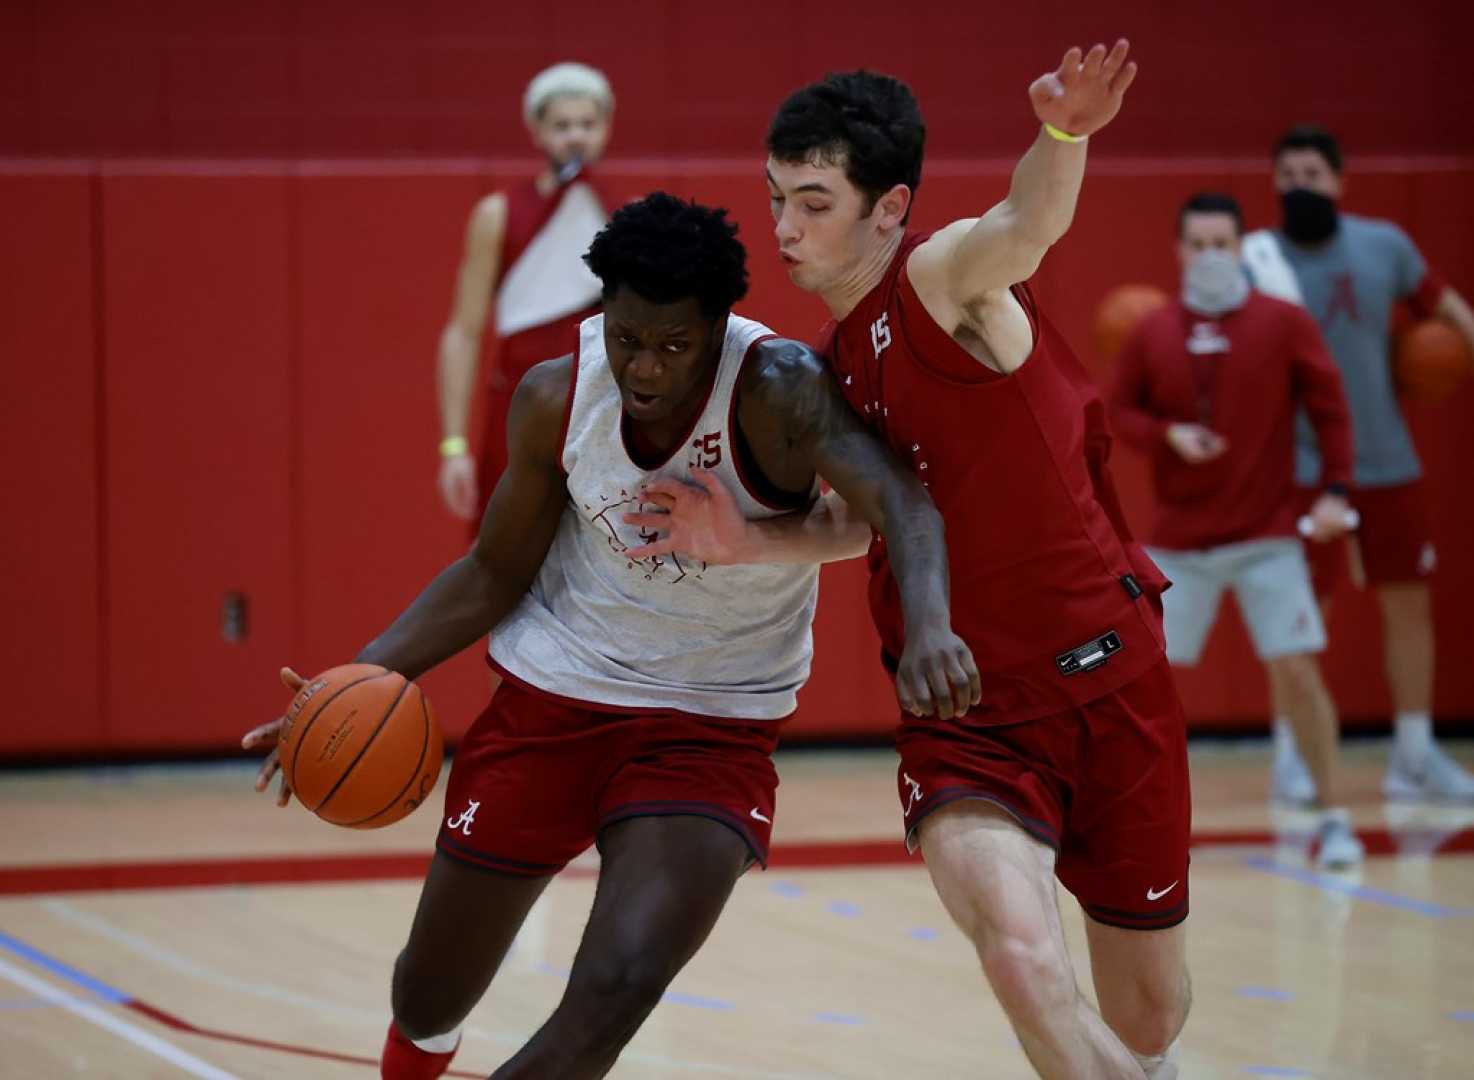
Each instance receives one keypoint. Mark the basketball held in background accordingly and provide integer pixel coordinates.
(361, 747)
(1432, 360)
(1118, 315)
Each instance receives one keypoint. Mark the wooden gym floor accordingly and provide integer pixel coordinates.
(165, 922)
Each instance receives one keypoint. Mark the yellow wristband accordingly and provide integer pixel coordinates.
(454, 446)
(1063, 136)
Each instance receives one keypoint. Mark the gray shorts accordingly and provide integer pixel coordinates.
(1271, 582)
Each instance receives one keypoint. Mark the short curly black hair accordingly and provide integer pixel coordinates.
(868, 122)
(667, 249)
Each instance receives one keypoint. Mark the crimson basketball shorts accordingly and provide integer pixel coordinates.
(1392, 546)
(536, 780)
(1105, 784)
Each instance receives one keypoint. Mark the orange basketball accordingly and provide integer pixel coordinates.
(1118, 314)
(361, 747)
(1432, 359)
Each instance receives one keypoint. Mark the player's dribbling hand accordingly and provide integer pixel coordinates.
(937, 675)
(700, 521)
(1196, 444)
(458, 485)
(1085, 94)
(268, 735)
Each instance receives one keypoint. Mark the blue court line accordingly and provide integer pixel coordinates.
(1328, 883)
(1267, 993)
(1462, 1015)
(844, 909)
(922, 933)
(791, 890)
(696, 1002)
(842, 1019)
(65, 971)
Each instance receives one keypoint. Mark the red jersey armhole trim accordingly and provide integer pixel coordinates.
(732, 421)
(909, 302)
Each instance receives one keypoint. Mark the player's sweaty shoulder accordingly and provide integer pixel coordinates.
(539, 404)
(781, 378)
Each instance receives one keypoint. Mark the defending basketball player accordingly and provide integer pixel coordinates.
(1349, 272)
(641, 696)
(523, 250)
(1074, 764)
(1208, 387)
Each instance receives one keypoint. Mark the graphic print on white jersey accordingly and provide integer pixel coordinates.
(610, 517)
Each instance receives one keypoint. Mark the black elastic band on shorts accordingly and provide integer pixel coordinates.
(1134, 920)
(480, 860)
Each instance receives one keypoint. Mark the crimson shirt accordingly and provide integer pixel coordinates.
(1244, 375)
(1016, 464)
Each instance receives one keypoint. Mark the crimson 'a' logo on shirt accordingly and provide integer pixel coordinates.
(1343, 299)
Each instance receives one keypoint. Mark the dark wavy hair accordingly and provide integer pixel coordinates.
(1212, 202)
(666, 249)
(867, 122)
(1310, 137)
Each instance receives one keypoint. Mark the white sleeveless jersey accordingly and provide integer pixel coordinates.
(664, 632)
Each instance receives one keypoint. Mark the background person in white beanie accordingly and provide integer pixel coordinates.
(524, 249)
(1349, 272)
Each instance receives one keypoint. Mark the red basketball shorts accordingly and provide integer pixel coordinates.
(1392, 546)
(1105, 784)
(536, 779)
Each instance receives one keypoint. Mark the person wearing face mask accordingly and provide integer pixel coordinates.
(1209, 386)
(1349, 271)
(523, 250)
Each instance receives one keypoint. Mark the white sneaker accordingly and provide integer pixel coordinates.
(1290, 782)
(1338, 847)
(1437, 778)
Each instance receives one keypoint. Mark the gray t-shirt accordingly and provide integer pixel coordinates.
(1350, 285)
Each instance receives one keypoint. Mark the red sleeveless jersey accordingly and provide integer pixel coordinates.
(528, 210)
(1041, 560)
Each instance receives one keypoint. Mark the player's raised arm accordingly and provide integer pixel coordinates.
(975, 256)
(477, 591)
(796, 419)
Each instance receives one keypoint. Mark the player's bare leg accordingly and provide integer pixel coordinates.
(466, 921)
(1300, 694)
(1418, 769)
(997, 883)
(663, 883)
(1142, 985)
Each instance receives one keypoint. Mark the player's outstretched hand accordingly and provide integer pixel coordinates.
(1085, 94)
(937, 674)
(700, 520)
(268, 735)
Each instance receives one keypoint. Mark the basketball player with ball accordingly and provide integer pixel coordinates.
(1209, 387)
(641, 695)
(1074, 763)
(1349, 272)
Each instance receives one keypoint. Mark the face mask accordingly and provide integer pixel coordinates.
(1310, 217)
(1214, 283)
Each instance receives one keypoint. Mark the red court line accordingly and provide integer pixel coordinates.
(391, 866)
(169, 1020)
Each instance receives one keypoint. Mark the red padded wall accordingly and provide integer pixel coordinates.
(395, 77)
(202, 409)
(49, 546)
(267, 340)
